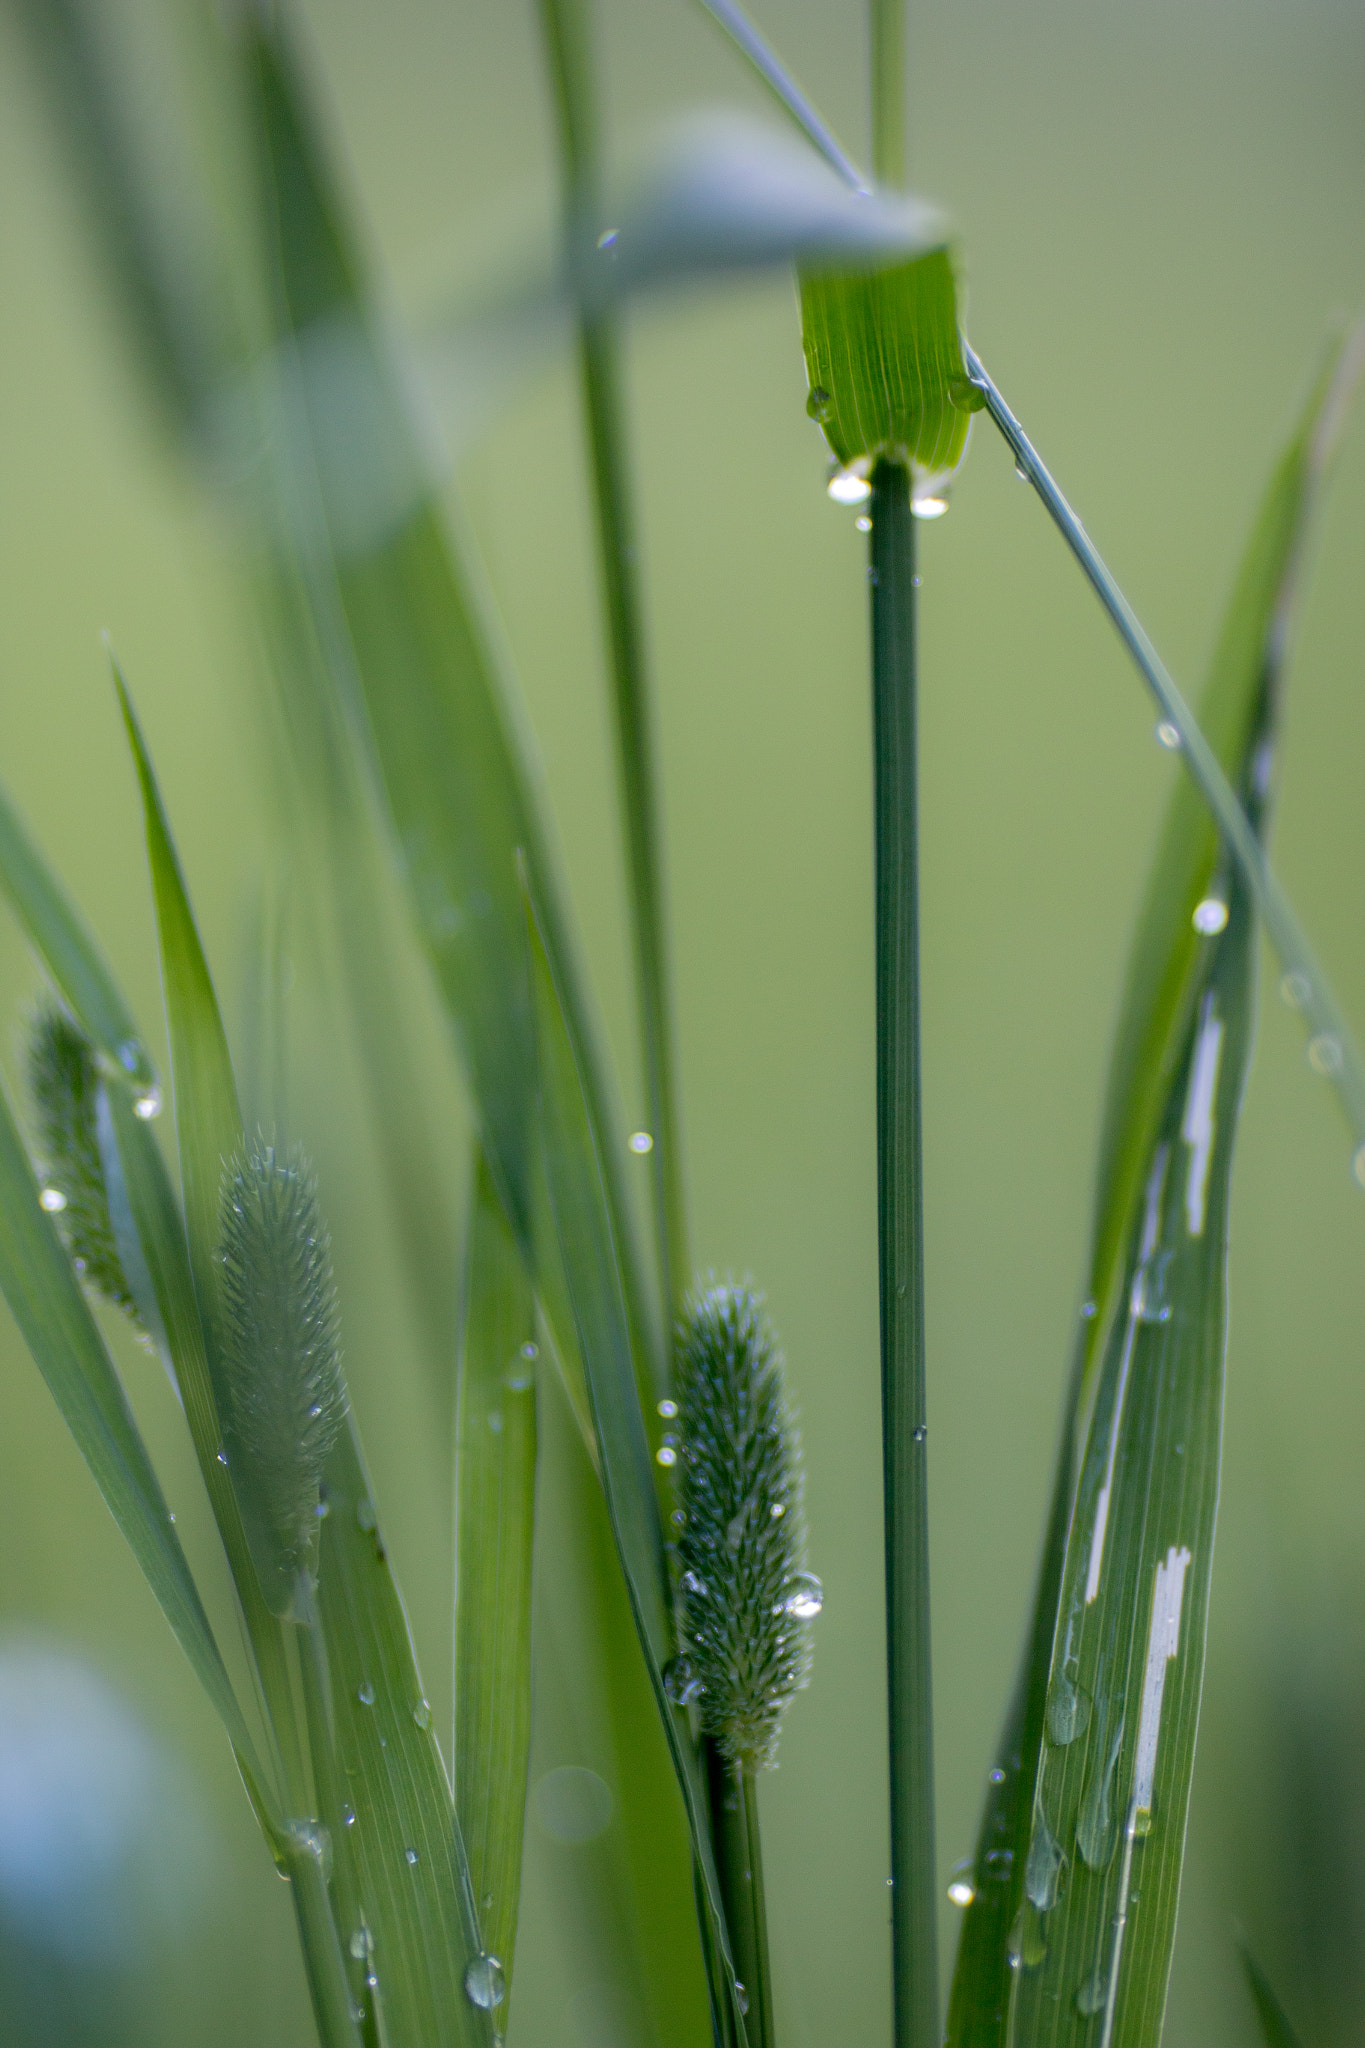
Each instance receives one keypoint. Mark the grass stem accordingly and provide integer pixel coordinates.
(739, 1856)
(889, 157)
(1332, 1046)
(599, 363)
(901, 1263)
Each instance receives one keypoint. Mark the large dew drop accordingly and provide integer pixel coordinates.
(805, 1596)
(1068, 1711)
(1045, 1871)
(484, 1984)
(1095, 1831)
(1092, 1994)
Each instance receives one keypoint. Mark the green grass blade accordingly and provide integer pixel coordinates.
(306, 1857)
(1168, 1503)
(1276, 2030)
(734, 23)
(46, 1302)
(495, 1475)
(386, 1798)
(70, 955)
(583, 1222)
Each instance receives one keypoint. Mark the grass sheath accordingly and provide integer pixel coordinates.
(566, 43)
(901, 1262)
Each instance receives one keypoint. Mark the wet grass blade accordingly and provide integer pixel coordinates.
(1276, 2031)
(495, 1475)
(1136, 1487)
(46, 1302)
(593, 1283)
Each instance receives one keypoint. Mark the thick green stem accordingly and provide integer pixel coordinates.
(617, 554)
(901, 1264)
(739, 1860)
(888, 91)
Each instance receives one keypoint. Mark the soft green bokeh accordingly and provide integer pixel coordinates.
(1160, 209)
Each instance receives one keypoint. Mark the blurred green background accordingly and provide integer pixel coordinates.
(1161, 210)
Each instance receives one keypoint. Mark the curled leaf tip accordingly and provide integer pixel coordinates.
(281, 1393)
(745, 1600)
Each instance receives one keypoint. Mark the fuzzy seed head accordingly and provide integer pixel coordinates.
(282, 1396)
(64, 1081)
(744, 1597)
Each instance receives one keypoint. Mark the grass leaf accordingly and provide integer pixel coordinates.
(1276, 2030)
(54, 1319)
(884, 361)
(593, 1283)
(495, 1473)
(1141, 1433)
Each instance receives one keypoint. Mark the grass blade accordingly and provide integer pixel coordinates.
(46, 1302)
(583, 1222)
(70, 955)
(734, 23)
(495, 1474)
(1276, 2030)
(1179, 982)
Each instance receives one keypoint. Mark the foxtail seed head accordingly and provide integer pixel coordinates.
(744, 1598)
(281, 1395)
(64, 1080)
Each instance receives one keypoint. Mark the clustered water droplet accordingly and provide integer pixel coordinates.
(681, 1682)
(666, 1454)
(805, 1596)
(668, 1409)
(53, 1200)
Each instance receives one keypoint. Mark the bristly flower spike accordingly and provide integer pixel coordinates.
(282, 1399)
(744, 1597)
(64, 1080)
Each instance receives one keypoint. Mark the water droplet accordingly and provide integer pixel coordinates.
(1092, 1995)
(1026, 1947)
(421, 1714)
(573, 1805)
(222, 1455)
(364, 1514)
(1089, 1311)
(410, 1857)
(1068, 1711)
(1045, 1871)
(323, 1510)
(487, 1900)
(1148, 1299)
(1210, 916)
(484, 1985)
(678, 1518)
(741, 1996)
(666, 1455)
(668, 1409)
(607, 238)
(849, 487)
(960, 1892)
(53, 1200)
(1168, 734)
(1295, 988)
(997, 1776)
(348, 1816)
(805, 1596)
(1325, 1055)
(818, 403)
(1020, 471)
(863, 523)
(130, 1056)
(919, 1432)
(641, 1142)
(361, 1944)
(148, 1104)
(681, 1682)
(1095, 1831)
(929, 506)
(495, 1422)
(691, 1583)
(999, 1864)
(366, 1694)
(778, 1508)
(315, 1410)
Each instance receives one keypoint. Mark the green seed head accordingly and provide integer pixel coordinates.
(744, 1597)
(281, 1395)
(65, 1083)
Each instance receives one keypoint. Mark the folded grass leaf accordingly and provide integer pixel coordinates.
(65, 1085)
(495, 1478)
(1090, 1787)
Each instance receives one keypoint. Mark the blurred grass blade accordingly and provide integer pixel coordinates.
(731, 19)
(495, 1480)
(389, 1808)
(591, 1270)
(1157, 1301)
(46, 1302)
(884, 362)
(70, 955)
(1276, 2031)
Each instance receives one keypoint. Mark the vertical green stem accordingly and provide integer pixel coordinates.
(888, 92)
(739, 1857)
(599, 365)
(901, 1264)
